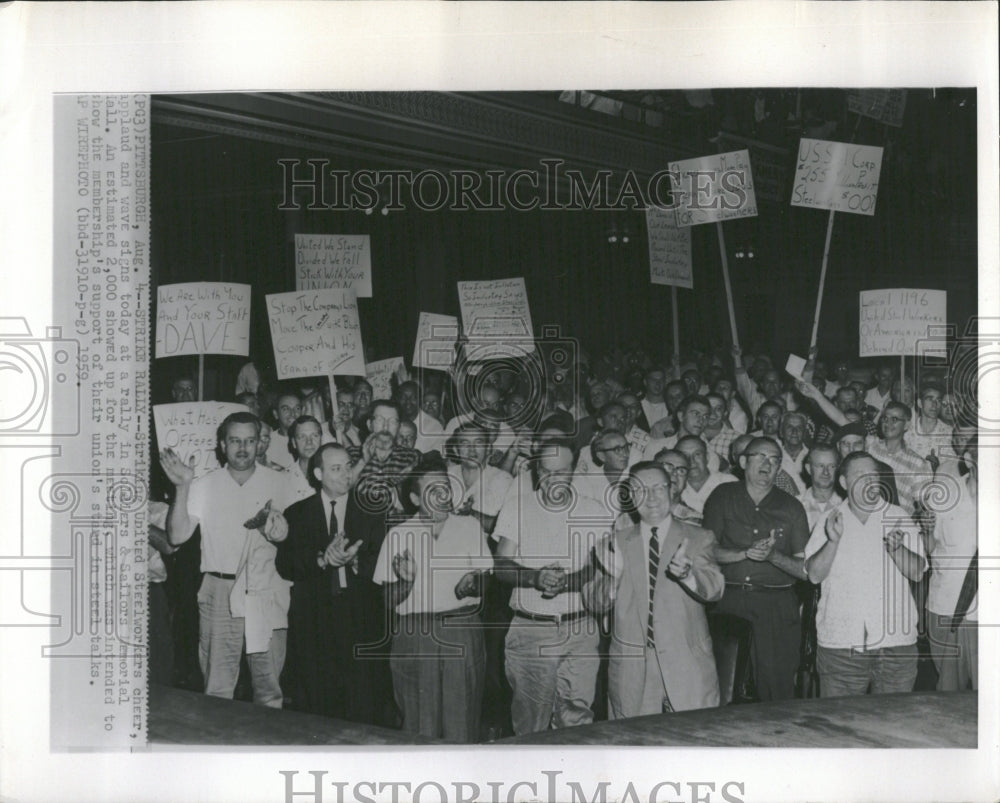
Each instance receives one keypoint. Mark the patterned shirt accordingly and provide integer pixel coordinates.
(911, 471)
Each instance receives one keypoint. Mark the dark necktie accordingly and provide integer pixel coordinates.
(334, 571)
(654, 567)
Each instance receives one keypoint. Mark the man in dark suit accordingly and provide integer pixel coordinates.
(329, 547)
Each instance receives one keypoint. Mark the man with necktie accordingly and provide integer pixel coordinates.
(330, 605)
(658, 573)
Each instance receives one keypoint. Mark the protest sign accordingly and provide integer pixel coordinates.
(769, 163)
(711, 189)
(885, 105)
(189, 428)
(893, 322)
(315, 333)
(669, 249)
(379, 375)
(838, 176)
(496, 318)
(202, 318)
(435, 343)
(341, 261)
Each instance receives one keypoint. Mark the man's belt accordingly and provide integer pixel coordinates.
(757, 587)
(465, 610)
(222, 575)
(554, 618)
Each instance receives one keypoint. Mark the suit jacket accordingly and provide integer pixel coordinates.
(680, 625)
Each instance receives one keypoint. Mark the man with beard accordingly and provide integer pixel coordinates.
(761, 533)
(242, 598)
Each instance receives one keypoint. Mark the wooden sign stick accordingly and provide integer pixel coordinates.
(677, 336)
(822, 281)
(725, 276)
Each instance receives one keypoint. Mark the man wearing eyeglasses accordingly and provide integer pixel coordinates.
(609, 454)
(659, 573)
(692, 416)
(242, 600)
(762, 532)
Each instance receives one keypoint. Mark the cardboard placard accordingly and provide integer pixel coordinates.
(770, 165)
(837, 175)
(711, 189)
(189, 428)
(496, 318)
(202, 318)
(341, 261)
(895, 322)
(885, 105)
(669, 249)
(434, 346)
(379, 375)
(315, 333)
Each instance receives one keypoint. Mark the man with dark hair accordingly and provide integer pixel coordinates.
(242, 598)
(769, 385)
(407, 398)
(183, 389)
(769, 420)
(329, 601)
(701, 479)
(692, 415)
(305, 436)
(866, 622)
(658, 574)
(363, 396)
(250, 401)
(718, 433)
(287, 407)
(761, 532)
(878, 396)
(544, 551)
(432, 569)
(930, 437)
(379, 472)
(737, 416)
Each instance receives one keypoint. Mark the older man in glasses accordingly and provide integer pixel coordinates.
(762, 532)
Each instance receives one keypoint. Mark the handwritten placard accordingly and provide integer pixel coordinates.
(496, 318)
(435, 342)
(713, 188)
(886, 105)
(379, 375)
(771, 173)
(837, 175)
(202, 318)
(894, 322)
(341, 261)
(669, 249)
(189, 428)
(316, 333)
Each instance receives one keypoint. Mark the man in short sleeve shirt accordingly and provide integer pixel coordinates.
(863, 557)
(761, 533)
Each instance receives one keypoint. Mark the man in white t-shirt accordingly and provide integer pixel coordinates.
(545, 538)
(432, 569)
(242, 597)
(864, 558)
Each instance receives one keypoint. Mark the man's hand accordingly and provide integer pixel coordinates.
(760, 550)
(469, 585)
(177, 471)
(551, 580)
(680, 564)
(464, 509)
(737, 353)
(835, 527)
(338, 553)
(405, 566)
(893, 540)
(275, 529)
(807, 390)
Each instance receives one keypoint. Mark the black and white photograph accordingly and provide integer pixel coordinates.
(391, 436)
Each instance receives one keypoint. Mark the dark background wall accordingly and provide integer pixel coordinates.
(215, 217)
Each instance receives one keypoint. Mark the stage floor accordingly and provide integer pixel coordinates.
(916, 720)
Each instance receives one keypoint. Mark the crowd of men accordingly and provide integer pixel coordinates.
(485, 553)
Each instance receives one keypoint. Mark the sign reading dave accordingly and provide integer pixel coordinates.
(837, 176)
(669, 249)
(342, 261)
(892, 322)
(711, 189)
(189, 428)
(496, 318)
(315, 333)
(203, 318)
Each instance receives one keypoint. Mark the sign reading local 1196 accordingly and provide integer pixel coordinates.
(893, 322)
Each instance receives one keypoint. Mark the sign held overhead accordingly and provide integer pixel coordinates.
(838, 176)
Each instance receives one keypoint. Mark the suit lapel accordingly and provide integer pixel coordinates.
(636, 565)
